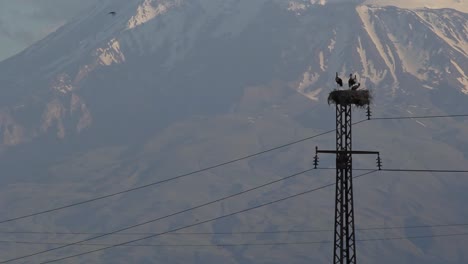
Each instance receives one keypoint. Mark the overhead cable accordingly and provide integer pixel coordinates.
(160, 218)
(163, 181)
(418, 117)
(242, 244)
(234, 232)
(186, 226)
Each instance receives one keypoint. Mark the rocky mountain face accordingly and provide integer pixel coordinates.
(152, 50)
(169, 86)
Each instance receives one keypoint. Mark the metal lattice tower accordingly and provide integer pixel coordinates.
(344, 242)
(344, 249)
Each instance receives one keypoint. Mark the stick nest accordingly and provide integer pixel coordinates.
(359, 98)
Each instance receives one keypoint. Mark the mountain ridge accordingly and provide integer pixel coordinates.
(97, 107)
(396, 50)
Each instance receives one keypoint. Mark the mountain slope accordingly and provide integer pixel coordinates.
(170, 86)
(459, 5)
(429, 46)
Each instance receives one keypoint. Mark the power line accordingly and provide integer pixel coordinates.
(412, 237)
(406, 170)
(422, 170)
(191, 173)
(202, 170)
(166, 180)
(236, 232)
(413, 227)
(418, 117)
(177, 177)
(241, 244)
(158, 234)
(191, 225)
(207, 168)
(163, 217)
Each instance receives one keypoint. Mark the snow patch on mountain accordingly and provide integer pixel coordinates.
(62, 83)
(412, 61)
(443, 26)
(78, 107)
(313, 95)
(54, 113)
(111, 54)
(299, 6)
(323, 67)
(309, 78)
(460, 5)
(463, 79)
(331, 47)
(384, 52)
(296, 6)
(318, 2)
(148, 10)
(369, 70)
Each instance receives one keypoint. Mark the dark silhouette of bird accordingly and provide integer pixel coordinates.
(351, 81)
(355, 87)
(112, 13)
(338, 80)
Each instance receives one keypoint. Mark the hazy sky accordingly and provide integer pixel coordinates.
(22, 22)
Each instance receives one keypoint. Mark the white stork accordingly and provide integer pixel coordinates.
(338, 80)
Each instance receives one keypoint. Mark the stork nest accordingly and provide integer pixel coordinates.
(359, 98)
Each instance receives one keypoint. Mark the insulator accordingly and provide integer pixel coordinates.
(316, 160)
(379, 163)
(369, 113)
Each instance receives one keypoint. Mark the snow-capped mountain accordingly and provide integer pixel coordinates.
(156, 38)
(460, 5)
(166, 86)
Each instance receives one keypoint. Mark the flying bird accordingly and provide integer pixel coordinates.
(112, 13)
(338, 80)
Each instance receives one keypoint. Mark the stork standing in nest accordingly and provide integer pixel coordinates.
(352, 82)
(338, 80)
